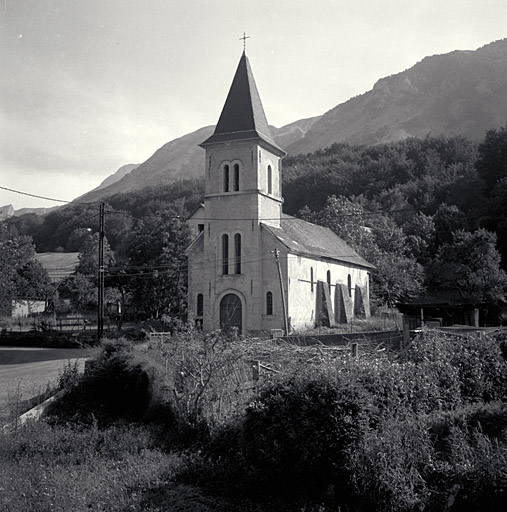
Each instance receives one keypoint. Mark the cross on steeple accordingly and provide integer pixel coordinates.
(244, 38)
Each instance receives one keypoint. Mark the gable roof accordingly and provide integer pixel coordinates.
(242, 116)
(197, 242)
(305, 238)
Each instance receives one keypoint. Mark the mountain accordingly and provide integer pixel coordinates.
(183, 158)
(458, 93)
(37, 211)
(8, 211)
(118, 175)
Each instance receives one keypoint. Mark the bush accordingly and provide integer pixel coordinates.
(115, 387)
(479, 364)
(297, 435)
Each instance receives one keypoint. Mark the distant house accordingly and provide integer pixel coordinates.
(58, 265)
(24, 308)
(251, 267)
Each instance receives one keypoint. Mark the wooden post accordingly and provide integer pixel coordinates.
(354, 349)
(256, 370)
(100, 308)
(285, 319)
(476, 317)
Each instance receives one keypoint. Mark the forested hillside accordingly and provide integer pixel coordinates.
(428, 213)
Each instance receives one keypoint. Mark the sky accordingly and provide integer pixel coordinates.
(87, 86)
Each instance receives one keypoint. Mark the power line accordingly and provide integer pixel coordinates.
(119, 212)
(42, 197)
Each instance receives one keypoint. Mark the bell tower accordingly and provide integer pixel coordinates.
(243, 163)
(243, 188)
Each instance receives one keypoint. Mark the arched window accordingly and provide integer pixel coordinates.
(225, 254)
(269, 303)
(349, 285)
(200, 305)
(226, 178)
(237, 253)
(329, 280)
(311, 277)
(270, 180)
(236, 177)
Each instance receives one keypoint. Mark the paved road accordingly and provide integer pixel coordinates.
(27, 372)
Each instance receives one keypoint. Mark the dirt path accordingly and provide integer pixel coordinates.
(28, 372)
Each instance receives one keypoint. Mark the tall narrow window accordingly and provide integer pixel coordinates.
(199, 311)
(311, 277)
(237, 253)
(269, 303)
(200, 305)
(349, 285)
(225, 254)
(236, 177)
(329, 280)
(226, 178)
(270, 180)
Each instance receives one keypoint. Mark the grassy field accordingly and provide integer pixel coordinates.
(27, 372)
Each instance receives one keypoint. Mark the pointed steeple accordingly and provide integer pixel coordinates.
(243, 116)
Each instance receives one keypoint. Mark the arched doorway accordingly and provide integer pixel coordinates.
(231, 313)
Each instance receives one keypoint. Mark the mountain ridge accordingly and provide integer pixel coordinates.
(463, 92)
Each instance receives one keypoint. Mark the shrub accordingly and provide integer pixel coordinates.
(204, 377)
(388, 465)
(115, 387)
(297, 435)
(479, 363)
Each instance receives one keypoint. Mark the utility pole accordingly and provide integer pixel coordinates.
(100, 309)
(276, 252)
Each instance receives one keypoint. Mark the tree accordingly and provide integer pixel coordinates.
(21, 276)
(491, 164)
(89, 257)
(81, 291)
(447, 220)
(155, 275)
(32, 281)
(380, 241)
(396, 278)
(470, 264)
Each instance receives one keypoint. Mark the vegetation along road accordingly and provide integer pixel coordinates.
(26, 372)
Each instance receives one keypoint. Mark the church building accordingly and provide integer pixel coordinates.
(250, 266)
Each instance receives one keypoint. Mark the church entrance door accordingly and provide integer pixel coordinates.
(231, 313)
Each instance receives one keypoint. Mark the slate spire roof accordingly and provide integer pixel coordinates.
(243, 116)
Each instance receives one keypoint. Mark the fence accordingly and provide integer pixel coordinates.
(392, 340)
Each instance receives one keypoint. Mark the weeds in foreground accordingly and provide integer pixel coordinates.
(327, 432)
(44, 468)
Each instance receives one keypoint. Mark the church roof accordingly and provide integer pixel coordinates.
(243, 116)
(308, 239)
